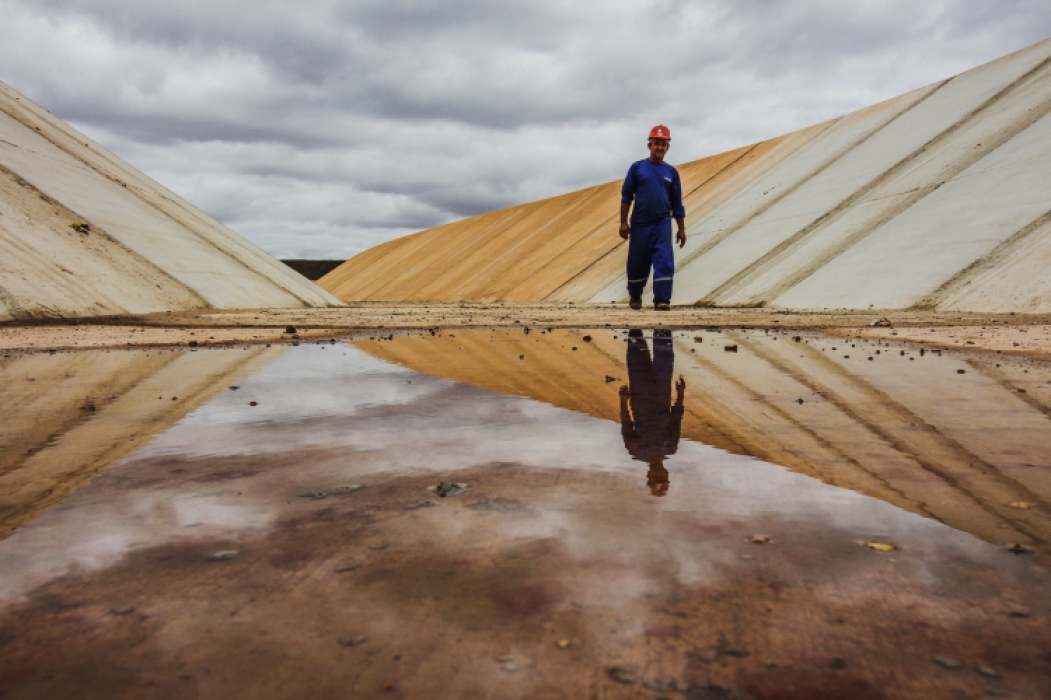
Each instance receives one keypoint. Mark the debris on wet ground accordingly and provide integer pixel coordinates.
(289, 330)
(447, 488)
(586, 338)
(122, 610)
(420, 504)
(80, 227)
(344, 568)
(253, 403)
(234, 387)
(730, 348)
(799, 401)
(222, 555)
(498, 505)
(759, 539)
(348, 488)
(1021, 505)
(987, 671)
(881, 546)
(948, 662)
(353, 641)
(612, 379)
(881, 323)
(620, 674)
(316, 495)
(1018, 548)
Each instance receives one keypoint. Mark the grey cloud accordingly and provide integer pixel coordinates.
(332, 126)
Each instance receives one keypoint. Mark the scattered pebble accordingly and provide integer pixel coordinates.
(343, 568)
(881, 546)
(223, 555)
(353, 641)
(122, 610)
(253, 403)
(621, 675)
(1017, 548)
(730, 348)
(612, 379)
(948, 662)
(316, 495)
(1022, 505)
(562, 643)
(987, 671)
(379, 547)
(995, 693)
(759, 539)
(447, 488)
(348, 488)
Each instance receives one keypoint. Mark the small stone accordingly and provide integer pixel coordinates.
(192, 343)
(223, 555)
(759, 539)
(995, 693)
(234, 388)
(348, 488)
(586, 338)
(505, 659)
(353, 641)
(730, 348)
(612, 379)
(1017, 548)
(379, 547)
(799, 401)
(122, 610)
(253, 403)
(290, 330)
(948, 662)
(316, 495)
(621, 675)
(987, 671)
(562, 643)
(420, 504)
(747, 557)
(509, 668)
(961, 371)
(1020, 614)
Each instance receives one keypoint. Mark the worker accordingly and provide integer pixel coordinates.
(649, 423)
(656, 191)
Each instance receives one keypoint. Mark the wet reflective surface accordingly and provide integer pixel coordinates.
(594, 539)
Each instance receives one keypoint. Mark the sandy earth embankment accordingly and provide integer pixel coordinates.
(1012, 334)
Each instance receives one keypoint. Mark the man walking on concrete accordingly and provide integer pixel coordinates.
(654, 187)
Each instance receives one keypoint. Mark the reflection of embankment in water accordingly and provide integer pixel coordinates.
(70, 416)
(906, 428)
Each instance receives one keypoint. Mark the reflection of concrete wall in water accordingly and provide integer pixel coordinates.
(958, 448)
(144, 250)
(938, 198)
(68, 417)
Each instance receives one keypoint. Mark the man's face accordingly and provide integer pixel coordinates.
(658, 148)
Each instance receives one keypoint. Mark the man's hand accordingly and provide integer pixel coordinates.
(680, 237)
(625, 230)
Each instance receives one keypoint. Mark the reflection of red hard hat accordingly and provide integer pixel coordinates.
(660, 132)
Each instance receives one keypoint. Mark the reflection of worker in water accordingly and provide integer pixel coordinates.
(650, 424)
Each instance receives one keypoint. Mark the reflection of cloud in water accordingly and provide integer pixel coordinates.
(326, 419)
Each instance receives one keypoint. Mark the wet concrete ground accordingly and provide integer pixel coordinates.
(284, 539)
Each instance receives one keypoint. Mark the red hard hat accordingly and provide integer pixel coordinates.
(660, 132)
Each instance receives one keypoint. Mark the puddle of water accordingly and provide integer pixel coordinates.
(594, 539)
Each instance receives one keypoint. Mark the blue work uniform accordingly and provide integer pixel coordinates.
(657, 192)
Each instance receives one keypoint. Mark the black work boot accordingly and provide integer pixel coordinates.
(635, 303)
(661, 306)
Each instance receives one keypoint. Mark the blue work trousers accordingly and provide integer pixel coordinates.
(651, 244)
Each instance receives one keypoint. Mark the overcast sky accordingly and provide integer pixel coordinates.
(319, 128)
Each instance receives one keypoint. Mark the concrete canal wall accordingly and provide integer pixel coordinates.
(939, 198)
(140, 248)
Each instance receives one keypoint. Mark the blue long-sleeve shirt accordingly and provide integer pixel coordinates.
(656, 190)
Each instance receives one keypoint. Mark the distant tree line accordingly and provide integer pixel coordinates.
(313, 269)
